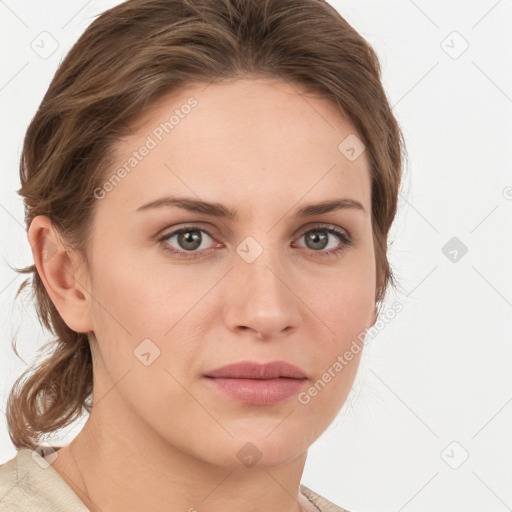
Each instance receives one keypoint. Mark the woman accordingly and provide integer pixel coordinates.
(209, 188)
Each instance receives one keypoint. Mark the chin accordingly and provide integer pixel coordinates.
(257, 451)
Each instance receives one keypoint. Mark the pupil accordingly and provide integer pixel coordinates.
(319, 241)
(190, 240)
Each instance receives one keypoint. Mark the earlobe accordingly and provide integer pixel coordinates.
(59, 274)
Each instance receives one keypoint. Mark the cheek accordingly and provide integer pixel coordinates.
(123, 315)
(347, 318)
(345, 305)
(344, 301)
(136, 295)
(139, 310)
(337, 358)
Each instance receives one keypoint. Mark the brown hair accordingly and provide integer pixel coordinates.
(128, 58)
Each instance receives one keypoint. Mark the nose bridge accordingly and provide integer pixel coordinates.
(262, 298)
(260, 261)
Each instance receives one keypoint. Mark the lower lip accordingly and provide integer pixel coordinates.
(258, 391)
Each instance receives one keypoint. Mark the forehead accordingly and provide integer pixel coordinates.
(257, 142)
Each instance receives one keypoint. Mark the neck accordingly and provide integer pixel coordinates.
(122, 466)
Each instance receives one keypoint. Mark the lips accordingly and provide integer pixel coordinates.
(252, 370)
(258, 384)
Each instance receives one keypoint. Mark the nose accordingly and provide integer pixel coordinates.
(260, 297)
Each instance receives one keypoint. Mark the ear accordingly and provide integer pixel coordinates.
(60, 274)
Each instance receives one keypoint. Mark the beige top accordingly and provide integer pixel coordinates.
(28, 483)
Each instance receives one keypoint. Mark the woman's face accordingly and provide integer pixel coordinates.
(266, 284)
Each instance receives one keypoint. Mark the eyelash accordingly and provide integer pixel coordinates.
(345, 239)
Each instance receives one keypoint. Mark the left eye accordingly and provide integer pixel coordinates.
(318, 238)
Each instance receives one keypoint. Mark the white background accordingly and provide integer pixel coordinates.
(440, 372)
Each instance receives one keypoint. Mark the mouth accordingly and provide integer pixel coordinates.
(258, 384)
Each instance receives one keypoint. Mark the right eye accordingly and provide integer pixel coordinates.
(189, 239)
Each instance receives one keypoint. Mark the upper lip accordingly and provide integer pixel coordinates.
(253, 370)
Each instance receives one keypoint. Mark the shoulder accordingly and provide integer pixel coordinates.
(320, 502)
(28, 482)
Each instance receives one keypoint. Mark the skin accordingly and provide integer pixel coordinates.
(158, 438)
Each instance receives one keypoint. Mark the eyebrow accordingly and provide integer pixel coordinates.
(221, 211)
